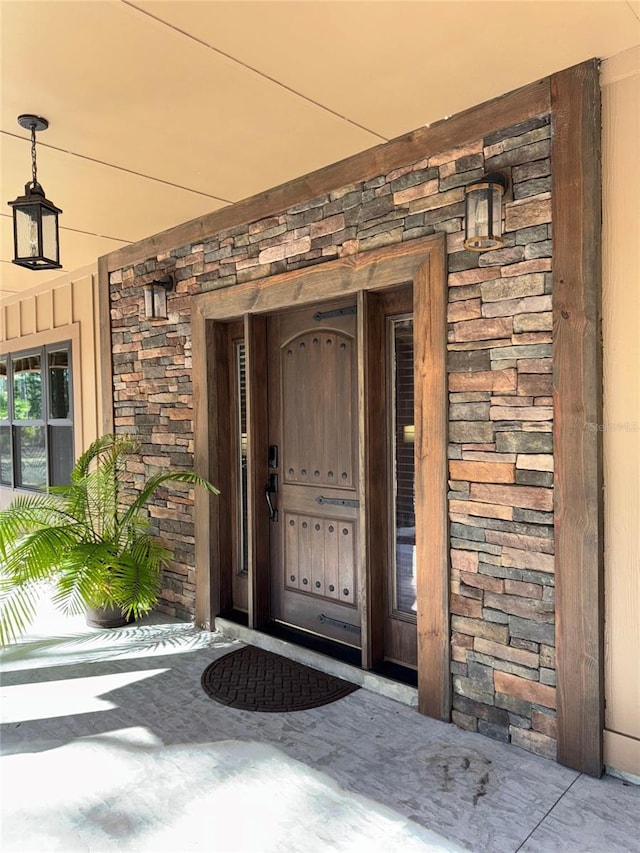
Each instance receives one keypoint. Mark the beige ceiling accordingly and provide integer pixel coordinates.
(163, 110)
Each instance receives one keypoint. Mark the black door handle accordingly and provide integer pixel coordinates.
(269, 489)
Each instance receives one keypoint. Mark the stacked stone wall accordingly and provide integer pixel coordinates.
(500, 400)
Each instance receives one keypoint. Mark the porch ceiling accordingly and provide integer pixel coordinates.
(163, 110)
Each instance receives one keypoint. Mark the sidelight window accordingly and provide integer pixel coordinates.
(403, 527)
(241, 461)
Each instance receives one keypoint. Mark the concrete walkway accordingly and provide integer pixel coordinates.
(109, 743)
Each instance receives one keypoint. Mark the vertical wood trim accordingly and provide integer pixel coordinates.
(221, 472)
(106, 359)
(432, 531)
(207, 567)
(364, 549)
(211, 460)
(577, 394)
(257, 473)
(374, 484)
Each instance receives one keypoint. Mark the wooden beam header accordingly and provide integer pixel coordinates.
(501, 112)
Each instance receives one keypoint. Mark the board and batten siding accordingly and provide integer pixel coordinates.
(620, 82)
(62, 309)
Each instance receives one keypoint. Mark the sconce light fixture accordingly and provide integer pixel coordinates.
(483, 213)
(35, 219)
(155, 298)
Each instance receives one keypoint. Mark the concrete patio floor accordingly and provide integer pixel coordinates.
(109, 742)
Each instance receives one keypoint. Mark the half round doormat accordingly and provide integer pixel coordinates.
(255, 680)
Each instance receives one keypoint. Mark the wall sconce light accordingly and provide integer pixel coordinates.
(483, 213)
(155, 298)
(35, 219)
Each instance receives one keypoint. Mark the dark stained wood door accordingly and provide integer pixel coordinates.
(314, 476)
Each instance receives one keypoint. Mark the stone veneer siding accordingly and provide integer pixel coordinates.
(500, 401)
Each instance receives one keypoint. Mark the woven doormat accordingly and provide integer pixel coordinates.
(255, 680)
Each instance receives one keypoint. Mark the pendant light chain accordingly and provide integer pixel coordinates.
(34, 165)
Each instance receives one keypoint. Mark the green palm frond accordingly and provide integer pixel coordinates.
(17, 608)
(84, 577)
(26, 513)
(136, 576)
(85, 539)
(37, 556)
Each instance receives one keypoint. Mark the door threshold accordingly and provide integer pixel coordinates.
(372, 681)
(314, 642)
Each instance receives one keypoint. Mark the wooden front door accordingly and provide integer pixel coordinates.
(312, 493)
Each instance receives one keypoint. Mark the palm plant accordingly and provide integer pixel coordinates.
(83, 543)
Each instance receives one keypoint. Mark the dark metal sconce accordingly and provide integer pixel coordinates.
(155, 298)
(483, 213)
(36, 243)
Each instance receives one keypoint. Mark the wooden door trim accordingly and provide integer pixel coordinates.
(373, 544)
(422, 263)
(577, 403)
(375, 270)
(255, 329)
(431, 483)
(366, 488)
(212, 451)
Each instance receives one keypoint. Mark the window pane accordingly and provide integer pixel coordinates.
(27, 388)
(403, 466)
(31, 457)
(4, 390)
(60, 455)
(59, 396)
(5, 455)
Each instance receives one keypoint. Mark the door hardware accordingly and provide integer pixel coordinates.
(337, 312)
(271, 489)
(337, 623)
(336, 501)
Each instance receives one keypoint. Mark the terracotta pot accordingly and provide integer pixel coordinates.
(106, 617)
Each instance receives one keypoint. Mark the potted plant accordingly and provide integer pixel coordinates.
(83, 543)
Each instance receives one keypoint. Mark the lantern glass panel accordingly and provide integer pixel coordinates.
(49, 234)
(26, 219)
(148, 302)
(477, 215)
(496, 229)
(155, 302)
(483, 224)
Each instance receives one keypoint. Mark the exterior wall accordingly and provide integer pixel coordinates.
(500, 411)
(60, 310)
(621, 427)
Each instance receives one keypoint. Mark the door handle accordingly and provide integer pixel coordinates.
(269, 489)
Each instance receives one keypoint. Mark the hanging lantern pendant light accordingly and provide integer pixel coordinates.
(36, 244)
